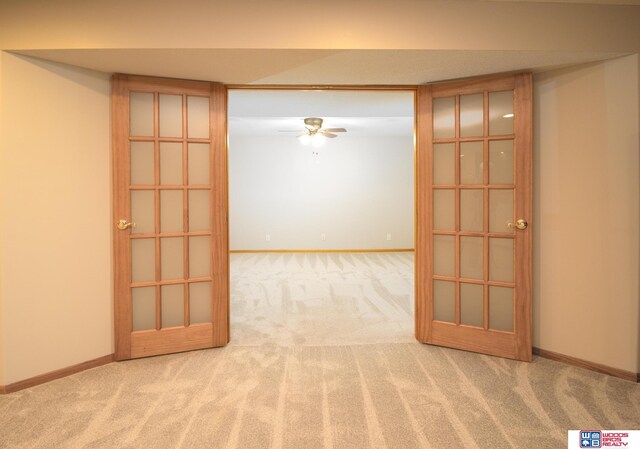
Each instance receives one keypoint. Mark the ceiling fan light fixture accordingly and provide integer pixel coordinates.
(314, 134)
(305, 139)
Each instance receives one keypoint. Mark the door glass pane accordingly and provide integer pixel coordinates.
(198, 116)
(141, 114)
(172, 258)
(500, 210)
(198, 163)
(143, 211)
(142, 166)
(172, 305)
(471, 257)
(444, 110)
(143, 265)
(501, 259)
(444, 168)
(200, 302)
(143, 308)
(170, 163)
(444, 255)
(471, 304)
(171, 219)
(471, 210)
(501, 162)
(471, 163)
(444, 217)
(501, 113)
(199, 256)
(444, 299)
(471, 114)
(199, 219)
(501, 308)
(170, 115)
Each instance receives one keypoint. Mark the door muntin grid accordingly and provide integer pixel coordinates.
(473, 194)
(169, 191)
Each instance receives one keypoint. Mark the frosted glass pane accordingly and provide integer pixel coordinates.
(471, 304)
(471, 163)
(199, 210)
(444, 158)
(198, 116)
(501, 113)
(471, 210)
(501, 162)
(444, 299)
(199, 256)
(171, 115)
(143, 265)
(143, 211)
(444, 111)
(171, 218)
(501, 308)
(172, 305)
(444, 206)
(142, 166)
(172, 258)
(472, 257)
(471, 114)
(200, 302)
(141, 114)
(501, 259)
(500, 210)
(444, 255)
(198, 163)
(170, 163)
(143, 308)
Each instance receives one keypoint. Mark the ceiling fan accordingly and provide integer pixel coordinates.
(313, 127)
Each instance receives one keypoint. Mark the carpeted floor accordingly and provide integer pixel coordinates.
(291, 380)
(321, 298)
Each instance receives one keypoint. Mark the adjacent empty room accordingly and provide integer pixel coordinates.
(321, 216)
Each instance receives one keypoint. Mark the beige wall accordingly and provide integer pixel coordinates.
(55, 250)
(55, 259)
(587, 205)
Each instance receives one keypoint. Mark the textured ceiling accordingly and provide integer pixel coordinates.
(363, 113)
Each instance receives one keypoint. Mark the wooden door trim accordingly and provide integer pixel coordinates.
(524, 207)
(122, 270)
(219, 214)
(424, 209)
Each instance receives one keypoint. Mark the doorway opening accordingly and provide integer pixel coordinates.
(321, 216)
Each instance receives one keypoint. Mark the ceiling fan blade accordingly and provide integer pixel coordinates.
(335, 130)
(329, 135)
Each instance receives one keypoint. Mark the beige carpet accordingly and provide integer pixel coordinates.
(321, 298)
(292, 389)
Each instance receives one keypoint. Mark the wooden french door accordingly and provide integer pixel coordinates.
(473, 201)
(170, 216)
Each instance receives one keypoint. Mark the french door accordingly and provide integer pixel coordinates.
(170, 216)
(473, 208)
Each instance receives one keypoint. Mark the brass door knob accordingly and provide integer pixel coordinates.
(124, 224)
(519, 224)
